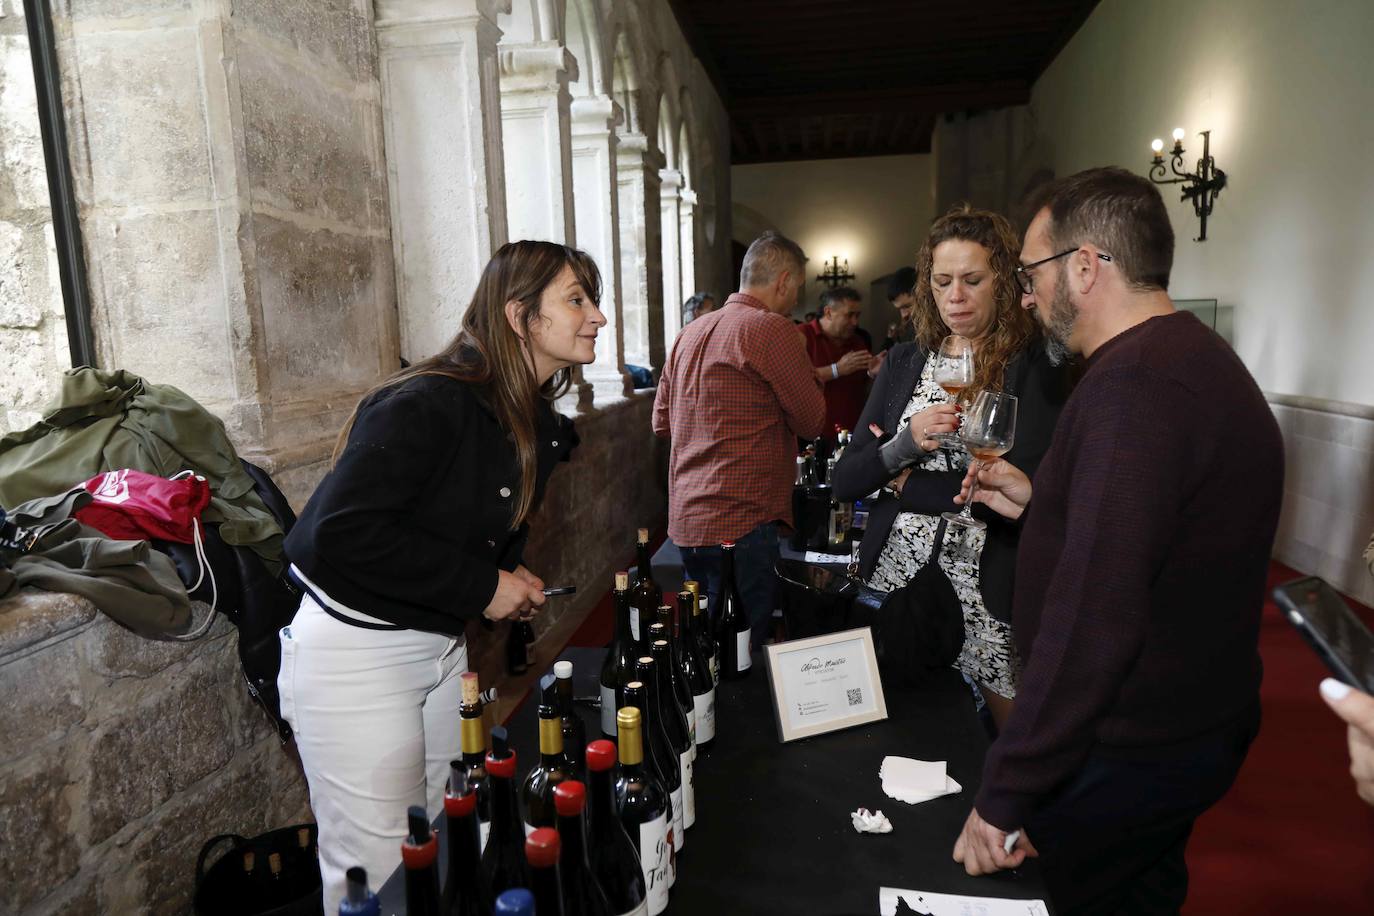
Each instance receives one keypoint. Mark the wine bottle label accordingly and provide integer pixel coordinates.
(656, 860)
(705, 704)
(743, 660)
(689, 795)
(692, 726)
(484, 829)
(529, 828)
(634, 624)
(607, 710)
(715, 670)
(679, 828)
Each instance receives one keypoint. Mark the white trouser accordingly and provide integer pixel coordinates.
(375, 714)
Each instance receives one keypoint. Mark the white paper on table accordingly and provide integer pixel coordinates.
(928, 904)
(813, 556)
(916, 781)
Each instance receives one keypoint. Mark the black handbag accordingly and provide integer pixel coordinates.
(917, 629)
(243, 881)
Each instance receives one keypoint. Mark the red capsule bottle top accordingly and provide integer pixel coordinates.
(569, 798)
(541, 847)
(600, 756)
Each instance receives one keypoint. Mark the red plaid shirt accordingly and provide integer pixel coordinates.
(737, 392)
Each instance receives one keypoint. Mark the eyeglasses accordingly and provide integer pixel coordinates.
(1026, 280)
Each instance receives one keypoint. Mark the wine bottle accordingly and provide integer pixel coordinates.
(704, 630)
(618, 668)
(614, 857)
(536, 793)
(542, 849)
(358, 898)
(646, 596)
(466, 891)
(517, 649)
(473, 744)
(574, 731)
(678, 684)
(696, 672)
(515, 902)
(582, 893)
(420, 856)
(503, 859)
(642, 805)
(732, 625)
(660, 752)
(675, 728)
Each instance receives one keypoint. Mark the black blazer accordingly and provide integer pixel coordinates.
(413, 522)
(1041, 390)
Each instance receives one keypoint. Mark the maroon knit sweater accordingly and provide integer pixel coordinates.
(1141, 570)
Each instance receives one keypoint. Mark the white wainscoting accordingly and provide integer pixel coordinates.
(1328, 499)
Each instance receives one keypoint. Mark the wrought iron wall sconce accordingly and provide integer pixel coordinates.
(834, 275)
(1201, 187)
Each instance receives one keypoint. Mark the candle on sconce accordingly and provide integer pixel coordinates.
(1158, 146)
(1178, 136)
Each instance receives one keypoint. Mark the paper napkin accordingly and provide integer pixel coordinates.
(915, 781)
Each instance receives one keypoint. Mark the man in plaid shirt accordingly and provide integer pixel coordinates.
(735, 396)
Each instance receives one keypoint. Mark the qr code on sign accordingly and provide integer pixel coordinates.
(856, 696)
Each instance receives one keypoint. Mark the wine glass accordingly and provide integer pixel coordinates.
(988, 432)
(953, 371)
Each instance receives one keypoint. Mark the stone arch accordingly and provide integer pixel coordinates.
(531, 21)
(586, 37)
(627, 70)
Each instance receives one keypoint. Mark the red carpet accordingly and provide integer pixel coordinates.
(1291, 837)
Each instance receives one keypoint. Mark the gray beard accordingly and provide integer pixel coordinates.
(1063, 316)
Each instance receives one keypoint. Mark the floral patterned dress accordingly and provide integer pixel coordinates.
(989, 655)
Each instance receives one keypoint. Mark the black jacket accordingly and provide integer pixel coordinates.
(1041, 390)
(413, 522)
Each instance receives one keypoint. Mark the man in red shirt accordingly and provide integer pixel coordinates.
(840, 356)
(736, 394)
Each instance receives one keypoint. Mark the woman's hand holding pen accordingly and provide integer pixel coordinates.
(519, 594)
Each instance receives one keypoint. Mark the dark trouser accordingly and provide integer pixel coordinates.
(756, 556)
(1112, 841)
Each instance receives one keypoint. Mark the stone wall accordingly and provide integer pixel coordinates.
(33, 336)
(120, 756)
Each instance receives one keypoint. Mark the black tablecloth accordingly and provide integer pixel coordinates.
(773, 833)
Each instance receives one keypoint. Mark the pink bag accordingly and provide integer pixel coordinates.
(130, 505)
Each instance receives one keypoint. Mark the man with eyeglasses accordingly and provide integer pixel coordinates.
(1140, 573)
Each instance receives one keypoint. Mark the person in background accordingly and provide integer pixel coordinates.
(735, 395)
(966, 285)
(1356, 709)
(840, 356)
(418, 529)
(901, 293)
(1140, 577)
(698, 305)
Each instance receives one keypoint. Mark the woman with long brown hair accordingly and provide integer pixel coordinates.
(418, 529)
(965, 285)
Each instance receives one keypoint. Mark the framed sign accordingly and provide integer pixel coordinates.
(824, 683)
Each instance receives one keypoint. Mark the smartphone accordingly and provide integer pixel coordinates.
(1330, 627)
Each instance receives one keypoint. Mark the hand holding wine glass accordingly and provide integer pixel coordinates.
(988, 432)
(1000, 485)
(953, 371)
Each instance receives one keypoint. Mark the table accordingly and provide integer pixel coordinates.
(773, 833)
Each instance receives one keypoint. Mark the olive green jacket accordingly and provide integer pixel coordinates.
(105, 420)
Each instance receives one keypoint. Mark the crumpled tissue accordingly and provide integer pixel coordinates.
(866, 821)
(915, 781)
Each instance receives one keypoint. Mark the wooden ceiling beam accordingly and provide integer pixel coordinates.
(931, 100)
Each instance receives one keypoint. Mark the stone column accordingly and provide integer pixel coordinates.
(537, 138)
(641, 254)
(441, 110)
(687, 217)
(598, 229)
(672, 253)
